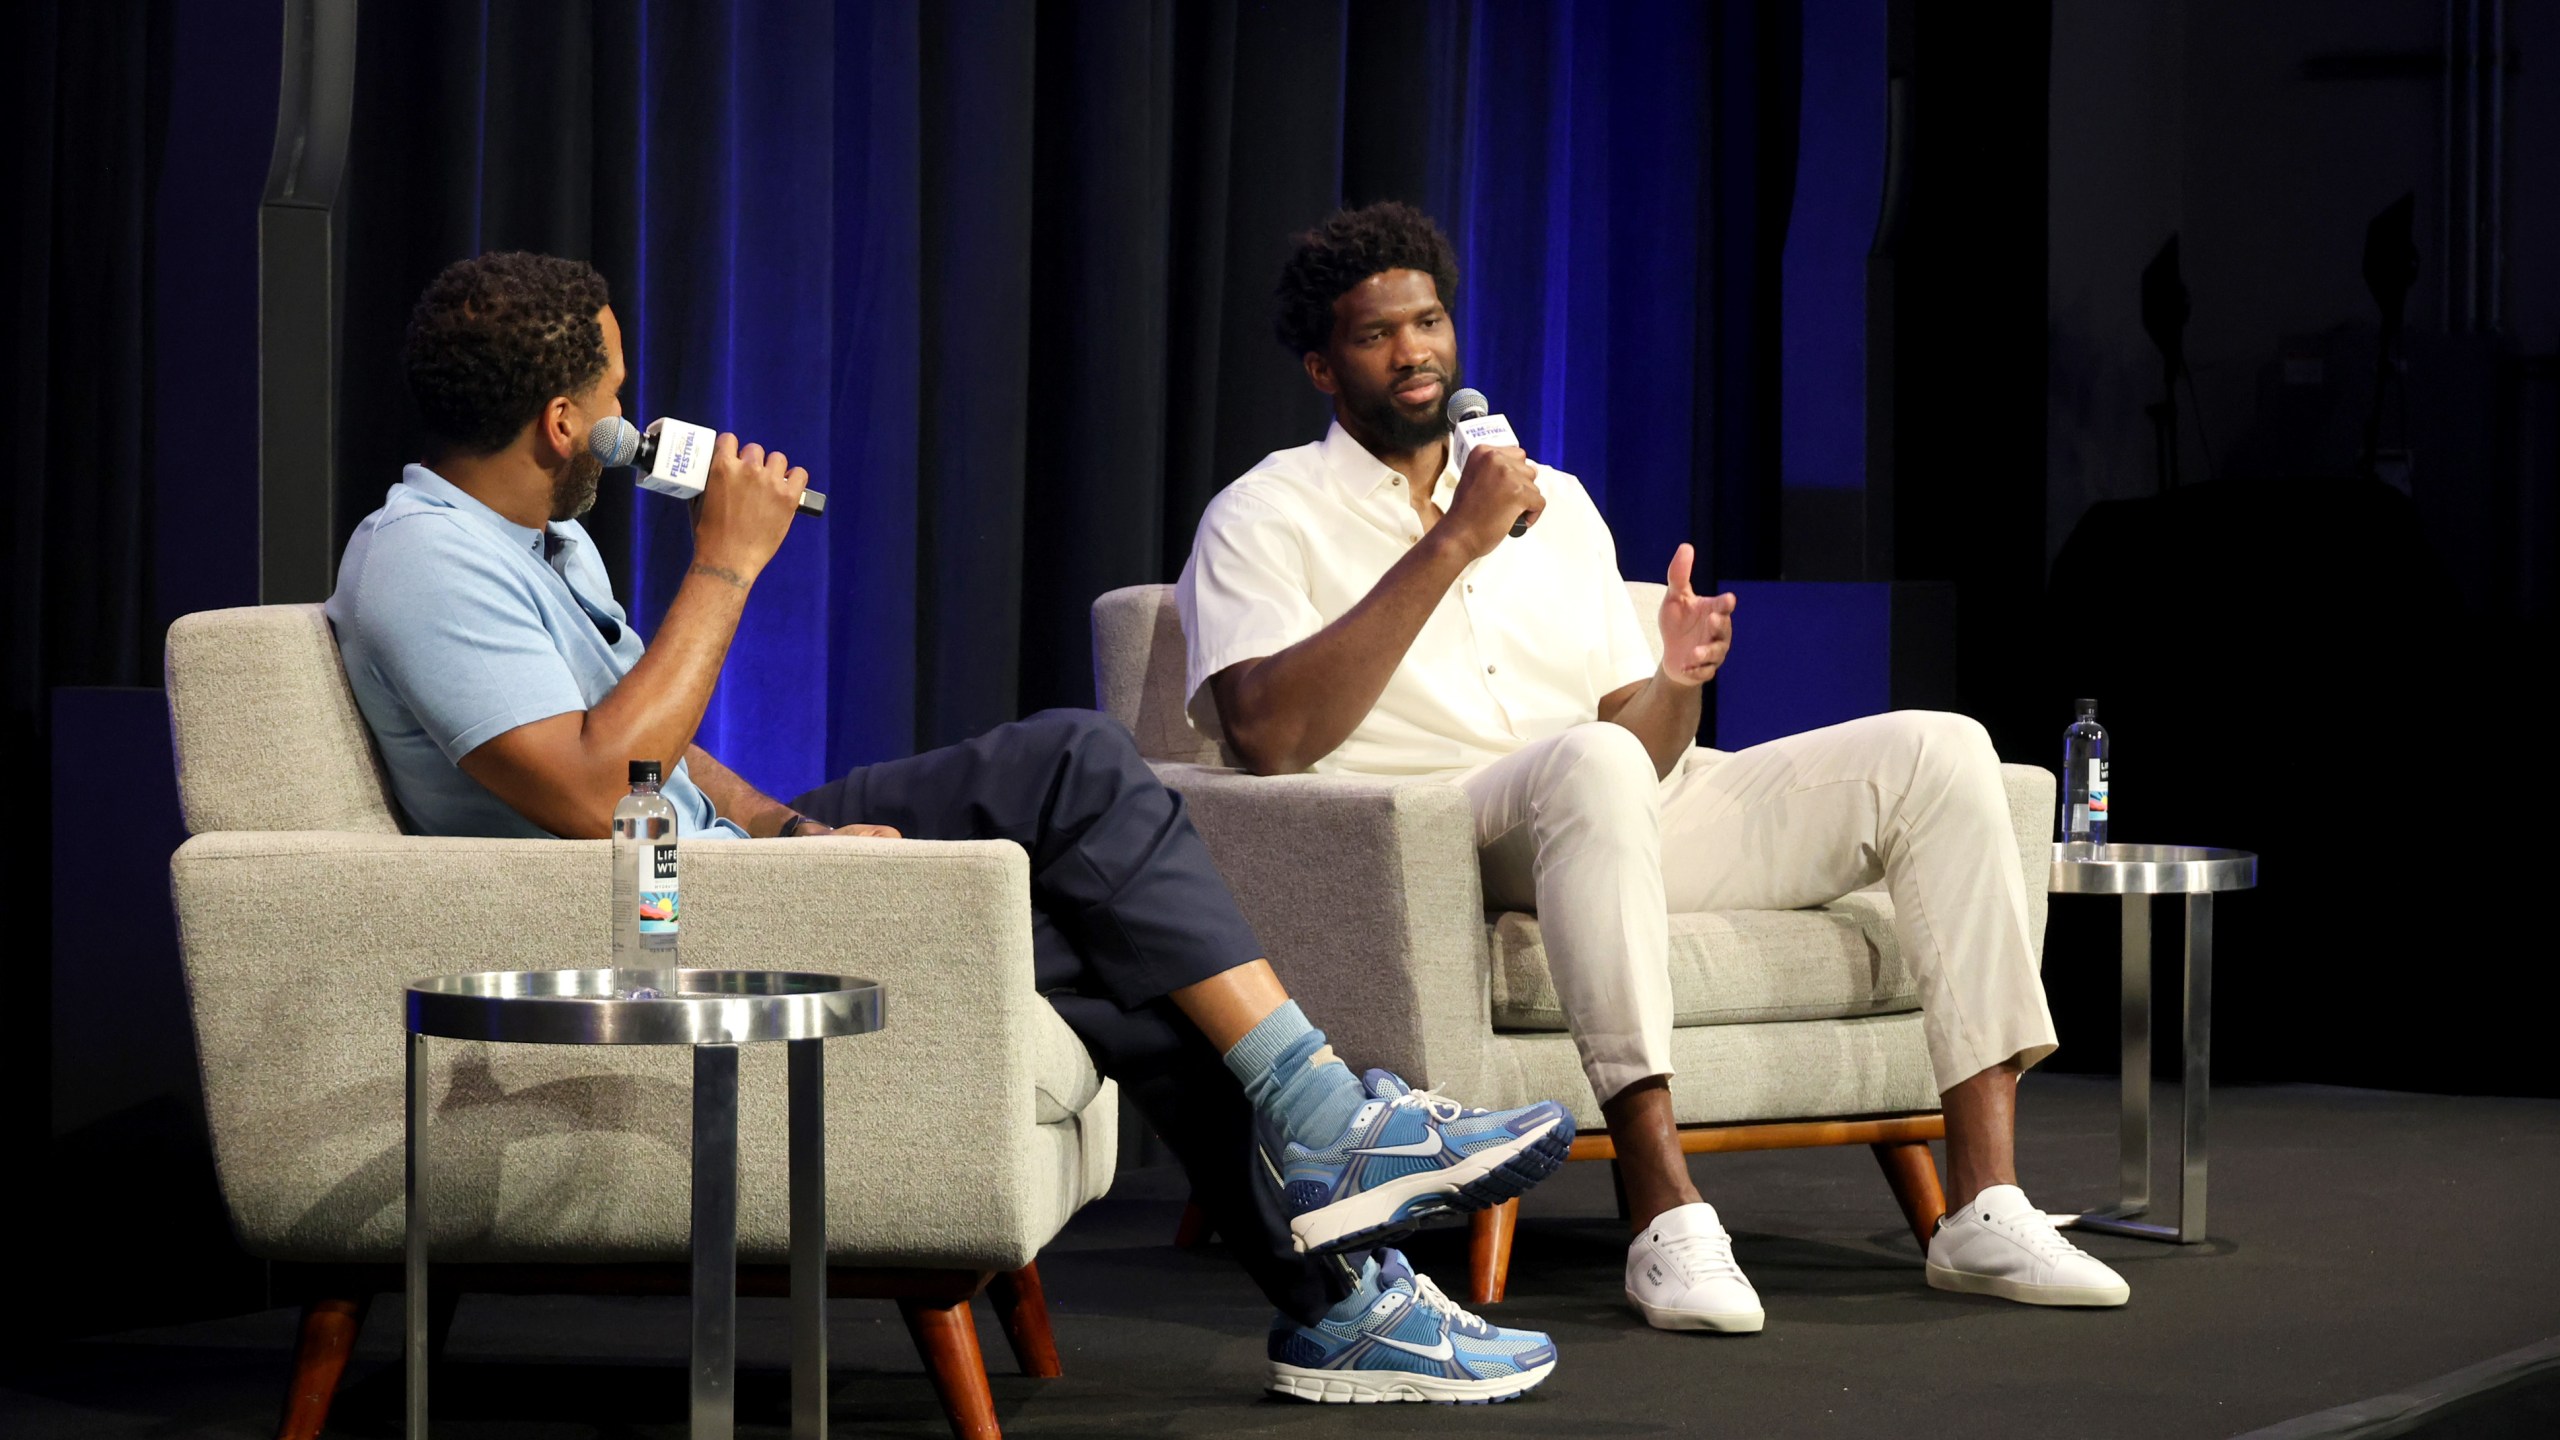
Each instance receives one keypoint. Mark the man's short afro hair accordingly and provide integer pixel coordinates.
(494, 339)
(1347, 248)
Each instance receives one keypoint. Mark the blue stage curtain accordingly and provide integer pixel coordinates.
(999, 272)
(729, 321)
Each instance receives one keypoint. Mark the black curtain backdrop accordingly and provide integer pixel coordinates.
(87, 122)
(84, 120)
(1969, 351)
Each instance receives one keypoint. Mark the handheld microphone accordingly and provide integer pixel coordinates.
(1471, 424)
(672, 456)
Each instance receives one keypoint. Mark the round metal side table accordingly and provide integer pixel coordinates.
(2138, 872)
(715, 1012)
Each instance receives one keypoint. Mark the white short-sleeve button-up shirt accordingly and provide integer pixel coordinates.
(1520, 648)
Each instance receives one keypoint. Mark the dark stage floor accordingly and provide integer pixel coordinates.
(2372, 1243)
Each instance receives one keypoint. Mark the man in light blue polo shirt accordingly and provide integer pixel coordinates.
(508, 695)
(494, 636)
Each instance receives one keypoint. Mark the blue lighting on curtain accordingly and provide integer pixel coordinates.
(1839, 181)
(1578, 232)
(869, 670)
(829, 176)
(733, 172)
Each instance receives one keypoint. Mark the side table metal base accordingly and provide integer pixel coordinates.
(2195, 1027)
(716, 1013)
(2136, 873)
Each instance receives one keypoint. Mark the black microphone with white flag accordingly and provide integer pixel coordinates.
(672, 456)
(1472, 423)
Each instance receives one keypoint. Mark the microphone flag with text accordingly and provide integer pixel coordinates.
(1472, 423)
(672, 456)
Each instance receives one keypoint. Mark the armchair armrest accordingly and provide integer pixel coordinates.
(297, 947)
(1366, 893)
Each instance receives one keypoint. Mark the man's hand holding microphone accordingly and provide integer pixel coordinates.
(730, 488)
(1497, 497)
(749, 496)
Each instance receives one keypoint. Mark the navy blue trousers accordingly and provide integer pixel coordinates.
(1125, 909)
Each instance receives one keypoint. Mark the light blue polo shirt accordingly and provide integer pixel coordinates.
(456, 625)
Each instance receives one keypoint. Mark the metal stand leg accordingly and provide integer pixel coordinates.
(2195, 1088)
(2133, 1136)
(715, 1242)
(808, 1240)
(2195, 1026)
(414, 1318)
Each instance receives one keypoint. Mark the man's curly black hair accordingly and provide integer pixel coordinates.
(495, 338)
(1349, 247)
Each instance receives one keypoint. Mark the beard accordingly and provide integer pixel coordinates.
(1396, 427)
(574, 493)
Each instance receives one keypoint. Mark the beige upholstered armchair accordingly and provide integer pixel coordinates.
(1793, 1028)
(960, 1138)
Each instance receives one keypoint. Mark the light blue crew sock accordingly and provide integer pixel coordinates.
(1293, 1079)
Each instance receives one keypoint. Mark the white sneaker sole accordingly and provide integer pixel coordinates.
(1316, 1230)
(2027, 1292)
(1376, 1387)
(1726, 1322)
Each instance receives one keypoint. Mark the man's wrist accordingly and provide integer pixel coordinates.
(729, 575)
(1442, 549)
(773, 823)
(1665, 675)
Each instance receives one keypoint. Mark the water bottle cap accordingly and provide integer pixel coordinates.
(2086, 707)
(644, 771)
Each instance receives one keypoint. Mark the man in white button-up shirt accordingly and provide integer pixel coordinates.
(1361, 605)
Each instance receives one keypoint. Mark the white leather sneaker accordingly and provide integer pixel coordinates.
(1681, 1275)
(2003, 1245)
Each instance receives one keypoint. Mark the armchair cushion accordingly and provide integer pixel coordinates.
(1735, 967)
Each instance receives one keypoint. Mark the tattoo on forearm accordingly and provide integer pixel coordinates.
(717, 572)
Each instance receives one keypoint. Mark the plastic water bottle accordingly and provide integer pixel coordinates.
(644, 888)
(2084, 784)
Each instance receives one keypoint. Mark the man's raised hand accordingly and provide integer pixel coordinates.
(1498, 486)
(748, 499)
(1696, 630)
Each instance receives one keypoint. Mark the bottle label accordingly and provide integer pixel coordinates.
(2097, 789)
(658, 903)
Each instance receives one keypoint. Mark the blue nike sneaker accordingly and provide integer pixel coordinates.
(1410, 1154)
(1404, 1340)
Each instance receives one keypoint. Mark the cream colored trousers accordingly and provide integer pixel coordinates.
(1578, 826)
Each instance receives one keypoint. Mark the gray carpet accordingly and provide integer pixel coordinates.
(2371, 1242)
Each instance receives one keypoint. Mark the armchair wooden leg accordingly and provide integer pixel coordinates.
(1194, 1229)
(1489, 1252)
(1022, 1307)
(948, 1340)
(1913, 1173)
(329, 1330)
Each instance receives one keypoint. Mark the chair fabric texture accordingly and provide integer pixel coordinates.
(963, 1134)
(268, 735)
(1368, 898)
